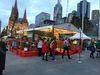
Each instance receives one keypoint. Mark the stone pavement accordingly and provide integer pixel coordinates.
(16, 65)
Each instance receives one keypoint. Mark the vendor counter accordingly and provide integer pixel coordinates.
(25, 48)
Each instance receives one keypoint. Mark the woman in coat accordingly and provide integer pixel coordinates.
(45, 50)
(2, 55)
(53, 48)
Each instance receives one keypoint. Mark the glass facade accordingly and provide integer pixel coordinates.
(41, 17)
(85, 11)
(57, 11)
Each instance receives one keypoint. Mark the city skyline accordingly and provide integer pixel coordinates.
(34, 7)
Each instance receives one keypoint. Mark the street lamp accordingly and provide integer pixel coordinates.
(83, 4)
(81, 31)
(79, 61)
(99, 22)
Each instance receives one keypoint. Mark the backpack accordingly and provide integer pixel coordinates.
(65, 43)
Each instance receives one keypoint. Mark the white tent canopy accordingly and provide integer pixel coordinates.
(78, 36)
(65, 26)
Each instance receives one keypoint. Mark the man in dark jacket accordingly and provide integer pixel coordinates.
(3, 50)
(66, 48)
(98, 49)
(92, 48)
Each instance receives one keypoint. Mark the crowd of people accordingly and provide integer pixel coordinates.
(94, 47)
(47, 47)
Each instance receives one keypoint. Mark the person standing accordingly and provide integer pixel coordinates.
(45, 49)
(3, 49)
(92, 48)
(98, 49)
(66, 47)
(39, 45)
(53, 48)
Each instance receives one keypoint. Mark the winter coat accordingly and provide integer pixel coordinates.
(53, 46)
(98, 46)
(3, 50)
(39, 45)
(92, 46)
(44, 47)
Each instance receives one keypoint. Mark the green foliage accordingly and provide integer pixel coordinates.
(78, 23)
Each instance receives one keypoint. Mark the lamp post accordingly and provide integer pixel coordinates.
(79, 60)
(99, 22)
(81, 31)
(83, 4)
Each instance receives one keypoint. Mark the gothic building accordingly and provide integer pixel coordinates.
(16, 23)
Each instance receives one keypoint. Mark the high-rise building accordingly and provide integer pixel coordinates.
(16, 23)
(40, 18)
(57, 11)
(95, 21)
(83, 8)
(95, 15)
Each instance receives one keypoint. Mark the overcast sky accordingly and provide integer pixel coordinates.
(34, 7)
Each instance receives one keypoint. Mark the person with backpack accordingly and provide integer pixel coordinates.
(92, 48)
(66, 48)
(98, 49)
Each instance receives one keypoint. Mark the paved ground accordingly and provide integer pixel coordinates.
(16, 65)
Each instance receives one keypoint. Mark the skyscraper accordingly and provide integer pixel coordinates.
(95, 21)
(95, 15)
(41, 17)
(57, 11)
(83, 8)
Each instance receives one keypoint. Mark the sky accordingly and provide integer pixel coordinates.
(34, 7)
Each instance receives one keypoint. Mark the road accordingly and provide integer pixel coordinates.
(16, 65)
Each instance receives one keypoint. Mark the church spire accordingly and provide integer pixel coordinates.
(24, 14)
(24, 17)
(15, 8)
(16, 11)
(15, 3)
(12, 14)
(59, 1)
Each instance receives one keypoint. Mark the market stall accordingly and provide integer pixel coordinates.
(59, 31)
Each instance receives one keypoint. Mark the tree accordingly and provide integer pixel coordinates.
(77, 22)
(3, 33)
